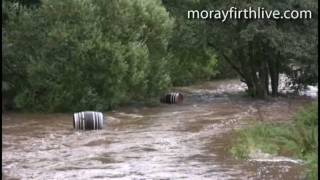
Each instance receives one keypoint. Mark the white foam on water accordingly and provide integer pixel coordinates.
(286, 86)
(278, 159)
(265, 157)
(130, 115)
(310, 91)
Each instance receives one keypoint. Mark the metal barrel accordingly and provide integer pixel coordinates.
(88, 120)
(172, 98)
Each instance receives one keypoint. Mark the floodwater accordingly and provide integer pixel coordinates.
(187, 141)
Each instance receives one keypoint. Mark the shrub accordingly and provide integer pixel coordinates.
(78, 54)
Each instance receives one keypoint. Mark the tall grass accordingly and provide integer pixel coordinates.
(298, 139)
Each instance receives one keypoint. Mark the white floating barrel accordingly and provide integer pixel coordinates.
(172, 98)
(88, 120)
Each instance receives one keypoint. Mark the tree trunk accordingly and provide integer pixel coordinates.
(258, 71)
(266, 83)
(264, 78)
(275, 83)
(260, 88)
(274, 75)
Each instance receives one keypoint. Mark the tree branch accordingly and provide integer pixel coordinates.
(237, 69)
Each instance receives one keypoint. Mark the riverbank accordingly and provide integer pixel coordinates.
(269, 141)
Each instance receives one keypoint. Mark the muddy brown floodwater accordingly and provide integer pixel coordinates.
(187, 141)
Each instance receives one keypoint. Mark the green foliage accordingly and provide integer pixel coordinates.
(255, 49)
(299, 140)
(191, 60)
(78, 54)
(96, 54)
(259, 137)
(28, 3)
(312, 159)
(241, 150)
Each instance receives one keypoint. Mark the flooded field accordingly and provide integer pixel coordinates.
(187, 141)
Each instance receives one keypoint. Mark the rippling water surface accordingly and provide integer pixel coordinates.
(187, 141)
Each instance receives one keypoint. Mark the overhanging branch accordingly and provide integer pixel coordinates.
(229, 61)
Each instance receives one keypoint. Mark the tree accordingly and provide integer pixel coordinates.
(191, 59)
(258, 50)
(75, 55)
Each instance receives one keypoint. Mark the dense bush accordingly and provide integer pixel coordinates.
(78, 54)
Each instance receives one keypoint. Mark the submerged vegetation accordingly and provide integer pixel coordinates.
(298, 139)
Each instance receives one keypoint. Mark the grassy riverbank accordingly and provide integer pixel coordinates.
(298, 139)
